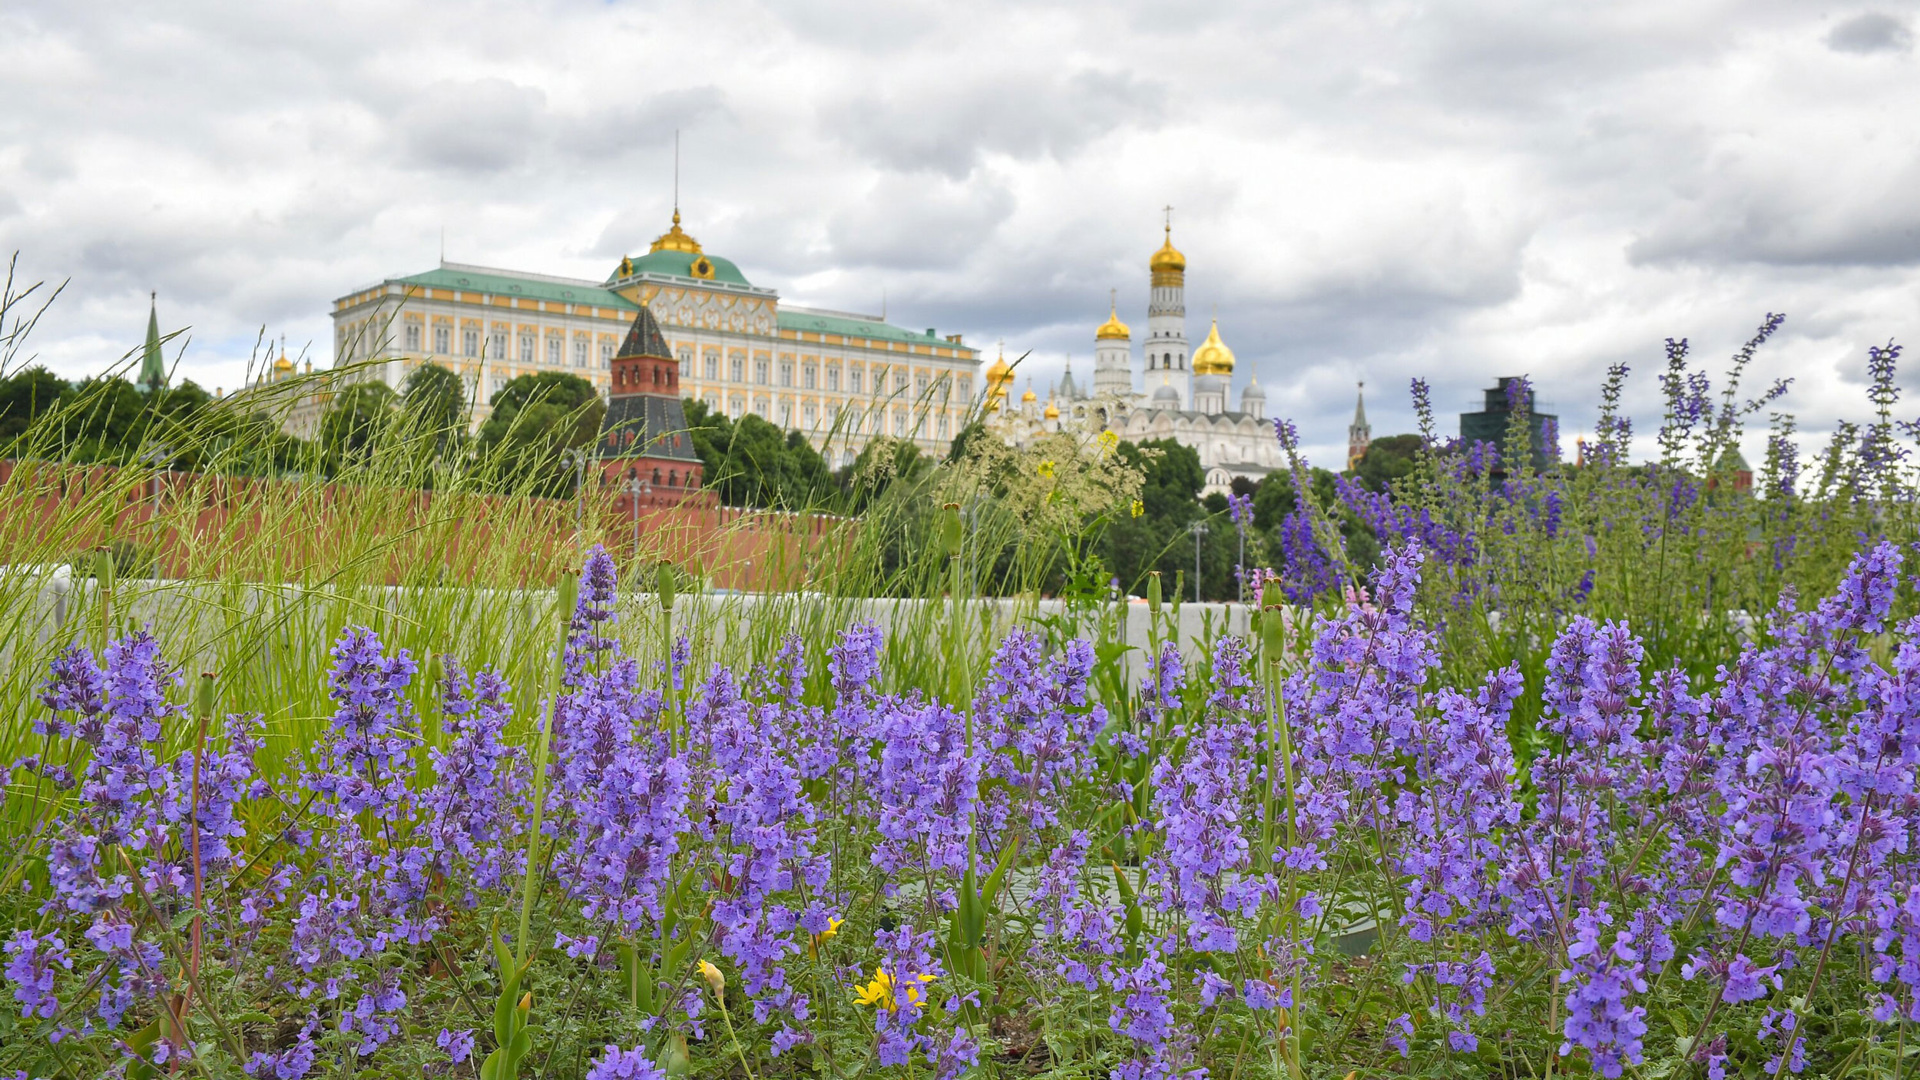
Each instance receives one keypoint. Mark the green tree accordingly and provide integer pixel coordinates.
(26, 396)
(355, 420)
(535, 420)
(749, 462)
(1388, 459)
(436, 400)
(881, 464)
(1158, 539)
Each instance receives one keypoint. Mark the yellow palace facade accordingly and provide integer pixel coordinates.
(841, 379)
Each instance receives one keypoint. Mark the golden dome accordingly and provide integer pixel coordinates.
(1052, 411)
(283, 364)
(1028, 398)
(998, 376)
(1113, 329)
(1168, 259)
(1213, 357)
(675, 240)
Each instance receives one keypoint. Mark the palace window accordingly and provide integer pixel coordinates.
(580, 353)
(966, 387)
(899, 382)
(497, 346)
(606, 355)
(739, 406)
(413, 337)
(526, 348)
(737, 368)
(499, 383)
(919, 385)
(713, 402)
(900, 424)
(809, 413)
(808, 376)
(853, 380)
(833, 376)
(786, 373)
(712, 365)
(470, 342)
(786, 413)
(760, 374)
(553, 350)
(442, 339)
(943, 425)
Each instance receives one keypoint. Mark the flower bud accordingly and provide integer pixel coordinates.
(1153, 592)
(664, 584)
(951, 532)
(203, 697)
(714, 979)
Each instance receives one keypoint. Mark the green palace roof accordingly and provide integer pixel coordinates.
(675, 263)
(468, 279)
(680, 264)
(819, 323)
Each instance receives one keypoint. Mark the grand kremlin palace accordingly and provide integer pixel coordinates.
(839, 378)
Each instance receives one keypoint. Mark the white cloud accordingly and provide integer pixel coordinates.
(1371, 190)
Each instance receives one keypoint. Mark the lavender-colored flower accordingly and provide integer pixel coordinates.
(30, 968)
(1600, 980)
(457, 1044)
(618, 1064)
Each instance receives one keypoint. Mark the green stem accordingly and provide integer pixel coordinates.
(569, 591)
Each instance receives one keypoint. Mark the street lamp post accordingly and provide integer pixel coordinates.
(579, 461)
(1199, 530)
(157, 457)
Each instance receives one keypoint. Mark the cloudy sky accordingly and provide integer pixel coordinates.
(1364, 190)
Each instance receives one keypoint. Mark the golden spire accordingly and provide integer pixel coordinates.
(1168, 259)
(1113, 329)
(1213, 357)
(998, 376)
(675, 240)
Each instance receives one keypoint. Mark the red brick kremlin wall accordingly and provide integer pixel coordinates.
(168, 514)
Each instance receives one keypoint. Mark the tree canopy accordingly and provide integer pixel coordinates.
(750, 462)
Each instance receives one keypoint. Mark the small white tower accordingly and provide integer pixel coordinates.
(1166, 343)
(1212, 373)
(1113, 357)
(1253, 400)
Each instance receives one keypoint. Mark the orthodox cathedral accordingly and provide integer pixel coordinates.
(1179, 395)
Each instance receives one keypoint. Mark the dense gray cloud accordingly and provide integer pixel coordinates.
(1871, 31)
(1370, 190)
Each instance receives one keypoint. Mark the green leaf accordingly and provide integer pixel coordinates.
(670, 964)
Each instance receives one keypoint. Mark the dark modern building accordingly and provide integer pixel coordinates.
(1490, 424)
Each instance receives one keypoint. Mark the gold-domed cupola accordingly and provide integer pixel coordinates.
(1168, 259)
(675, 239)
(1213, 357)
(1113, 329)
(998, 376)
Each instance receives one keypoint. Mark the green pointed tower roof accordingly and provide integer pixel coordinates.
(153, 369)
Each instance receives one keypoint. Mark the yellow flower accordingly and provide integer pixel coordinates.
(714, 978)
(1138, 508)
(1108, 440)
(880, 991)
(821, 938)
(1046, 470)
